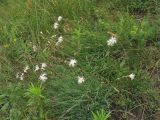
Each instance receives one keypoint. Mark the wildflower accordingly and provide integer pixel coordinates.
(21, 77)
(49, 42)
(80, 80)
(43, 77)
(112, 41)
(72, 62)
(17, 75)
(132, 76)
(34, 48)
(36, 68)
(53, 36)
(60, 18)
(56, 25)
(43, 66)
(60, 40)
(26, 69)
(41, 32)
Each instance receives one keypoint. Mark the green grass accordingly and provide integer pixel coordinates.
(107, 90)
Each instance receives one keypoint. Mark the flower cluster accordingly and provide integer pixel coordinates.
(43, 76)
(111, 42)
(56, 24)
(20, 75)
(72, 63)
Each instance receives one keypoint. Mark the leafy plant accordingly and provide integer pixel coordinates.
(34, 93)
(100, 115)
(36, 102)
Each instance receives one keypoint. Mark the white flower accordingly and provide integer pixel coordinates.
(60, 40)
(17, 75)
(21, 77)
(53, 36)
(49, 42)
(112, 41)
(41, 32)
(36, 68)
(34, 48)
(56, 25)
(132, 76)
(43, 66)
(80, 80)
(60, 18)
(72, 62)
(26, 69)
(43, 77)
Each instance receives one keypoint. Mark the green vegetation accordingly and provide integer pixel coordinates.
(100, 61)
(101, 115)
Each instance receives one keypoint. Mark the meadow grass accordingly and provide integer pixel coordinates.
(104, 82)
